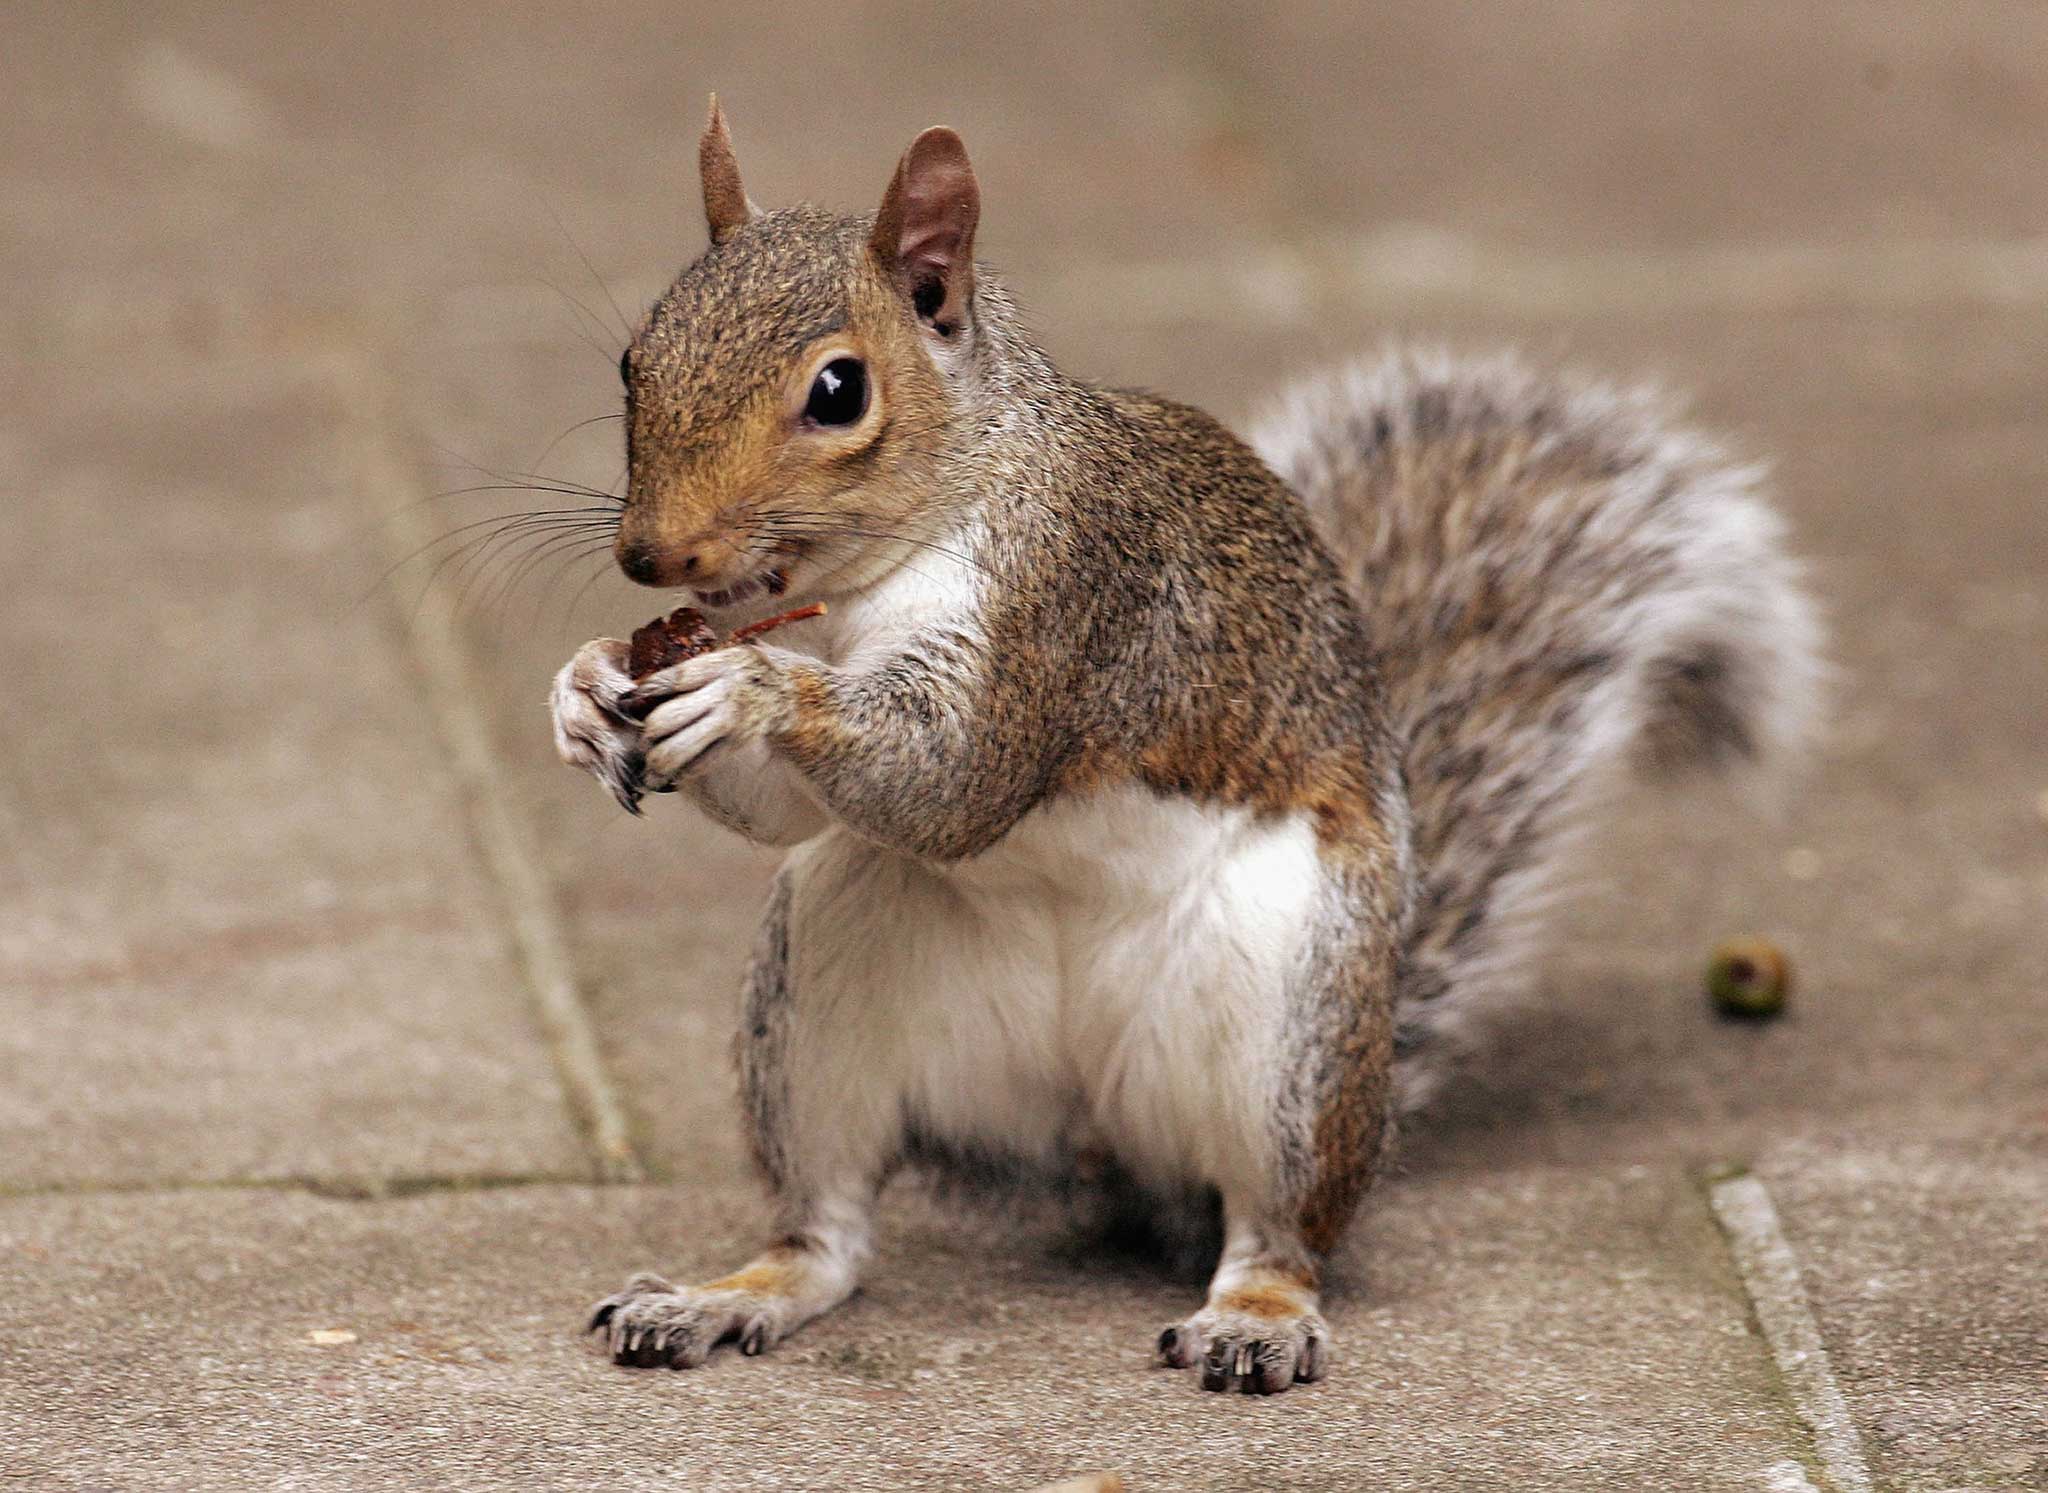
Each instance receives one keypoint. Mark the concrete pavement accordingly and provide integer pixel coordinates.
(314, 1009)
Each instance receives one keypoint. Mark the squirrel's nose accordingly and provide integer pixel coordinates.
(643, 563)
(667, 565)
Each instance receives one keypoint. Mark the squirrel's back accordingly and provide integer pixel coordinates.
(1561, 585)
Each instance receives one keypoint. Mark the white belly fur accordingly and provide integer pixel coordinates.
(1114, 971)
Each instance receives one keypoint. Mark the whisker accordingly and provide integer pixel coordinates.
(581, 544)
(475, 555)
(600, 554)
(569, 613)
(525, 478)
(589, 321)
(579, 425)
(515, 533)
(562, 574)
(564, 551)
(526, 482)
(805, 525)
(566, 492)
(624, 325)
(559, 518)
(824, 547)
(484, 583)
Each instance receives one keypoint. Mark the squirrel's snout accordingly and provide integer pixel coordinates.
(700, 562)
(645, 563)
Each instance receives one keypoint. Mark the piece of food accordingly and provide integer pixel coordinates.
(1750, 977)
(754, 630)
(667, 641)
(684, 634)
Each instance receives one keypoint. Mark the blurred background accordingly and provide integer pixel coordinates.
(349, 1044)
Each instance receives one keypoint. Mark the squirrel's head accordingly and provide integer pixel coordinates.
(788, 398)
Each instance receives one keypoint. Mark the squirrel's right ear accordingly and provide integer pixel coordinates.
(726, 207)
(924, 232)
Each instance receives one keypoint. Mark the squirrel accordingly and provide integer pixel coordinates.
(1151, 794)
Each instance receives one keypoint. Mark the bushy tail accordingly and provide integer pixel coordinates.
(1565, 586)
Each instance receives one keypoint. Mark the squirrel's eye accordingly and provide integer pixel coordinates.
(626, 367)
(839, 394)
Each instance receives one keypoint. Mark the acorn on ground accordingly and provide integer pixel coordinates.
(1749, 978)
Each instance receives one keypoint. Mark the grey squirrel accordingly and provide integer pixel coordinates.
(1150, 793)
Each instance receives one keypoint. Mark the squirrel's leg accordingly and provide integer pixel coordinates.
(1327, 1117)
(825, 1145)
(861, 1010)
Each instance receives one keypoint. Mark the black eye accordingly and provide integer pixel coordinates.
(626, 367)
(839, 394)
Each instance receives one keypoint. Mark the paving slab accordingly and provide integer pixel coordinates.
(257, 944)
(242, 931)
(1543, 1329)
(1923, 1263)
(1102, 132)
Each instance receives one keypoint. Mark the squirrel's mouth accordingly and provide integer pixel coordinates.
(772, 582)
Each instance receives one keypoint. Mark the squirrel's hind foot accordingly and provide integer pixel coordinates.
(1259, 1347)
(653, 1324)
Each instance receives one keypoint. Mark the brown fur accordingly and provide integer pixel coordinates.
(767, 1276)
(722, 474)
(1274, 1289)
(726, 207)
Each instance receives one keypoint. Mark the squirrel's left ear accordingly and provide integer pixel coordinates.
(726, 205)
(924, 232)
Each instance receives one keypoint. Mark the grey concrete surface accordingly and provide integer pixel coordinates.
(244, 936)
(979, 1355)
(250, 952)
(1924, 1266)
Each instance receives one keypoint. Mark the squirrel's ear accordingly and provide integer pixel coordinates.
(924, 233)
(726, 208)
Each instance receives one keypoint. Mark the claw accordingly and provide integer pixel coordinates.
(1217, 1365)
(623, 778)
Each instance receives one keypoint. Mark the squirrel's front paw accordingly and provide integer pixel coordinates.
(733, 695)
(592, 729)
(652, 1323)
(1259, 1347)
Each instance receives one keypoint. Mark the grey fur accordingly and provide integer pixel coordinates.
(761, 1046)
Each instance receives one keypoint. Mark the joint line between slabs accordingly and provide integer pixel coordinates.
(1770, 1275)
(510, 857)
